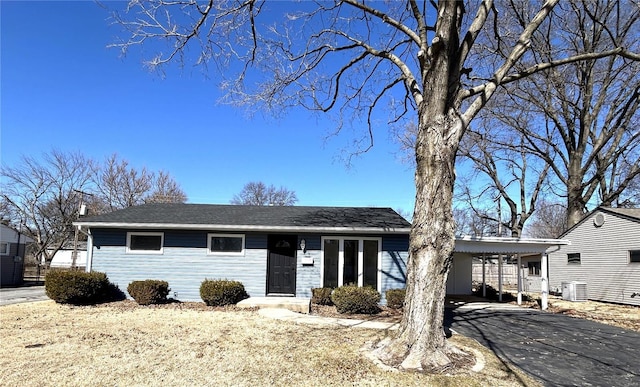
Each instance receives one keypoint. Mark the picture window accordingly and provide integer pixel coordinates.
(145, 242)
(225, 244)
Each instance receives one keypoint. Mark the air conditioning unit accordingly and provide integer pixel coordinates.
(574, 291)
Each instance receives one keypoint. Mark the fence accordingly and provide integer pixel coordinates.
(509, 276)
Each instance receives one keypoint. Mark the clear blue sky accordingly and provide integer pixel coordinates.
(61, 87)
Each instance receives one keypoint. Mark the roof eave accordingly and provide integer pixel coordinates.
(245, 228)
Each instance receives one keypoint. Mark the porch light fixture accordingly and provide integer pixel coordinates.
(303, 245)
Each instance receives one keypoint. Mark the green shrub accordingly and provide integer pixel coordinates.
(321, 296)
(79, 287)
(149, 291)
(395, 298)
(353, 299)
(222, 292)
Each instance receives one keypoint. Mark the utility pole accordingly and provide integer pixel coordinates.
(499, 255)
(81, 212)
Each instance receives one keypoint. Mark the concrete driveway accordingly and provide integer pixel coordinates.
(22, 294)
(556, 349)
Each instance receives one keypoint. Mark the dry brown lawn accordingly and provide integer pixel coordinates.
(46, 344)
(624, 316)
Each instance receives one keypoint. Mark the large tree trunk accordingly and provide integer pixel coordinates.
(575, 198)
(421, 342)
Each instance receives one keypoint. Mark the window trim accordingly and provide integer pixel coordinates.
(360, 274)
(6, 248)
(574, 258)
(226, 253)
(537, 268)
(145, 233)
(636, 252)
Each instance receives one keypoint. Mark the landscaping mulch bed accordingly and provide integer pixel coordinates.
(386, 314)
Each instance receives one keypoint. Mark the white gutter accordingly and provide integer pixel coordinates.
(494, 239)
(228, 227)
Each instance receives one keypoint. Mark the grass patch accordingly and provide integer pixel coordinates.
(44, 343)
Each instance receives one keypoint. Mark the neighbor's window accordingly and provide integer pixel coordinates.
(573, 258)
(4, 248)
(226, 244)
(634, 256)
(534, 268)
(145, 242)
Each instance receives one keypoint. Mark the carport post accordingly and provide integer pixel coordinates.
(484, 279)
(544, 282)
(500, 277)
(519, 281)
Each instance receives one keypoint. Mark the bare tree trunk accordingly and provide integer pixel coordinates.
(421, 343)
(575, 199)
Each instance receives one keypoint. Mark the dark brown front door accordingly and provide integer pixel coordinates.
(281, 270)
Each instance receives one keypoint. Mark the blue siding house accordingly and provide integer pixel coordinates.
(273, 251)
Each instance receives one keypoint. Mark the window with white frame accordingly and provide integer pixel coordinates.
(634, 256)
(145, 242)
(225, 244)
(351, 260)
(4, 248)
(573, 258)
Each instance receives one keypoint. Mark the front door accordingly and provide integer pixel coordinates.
(281, 270)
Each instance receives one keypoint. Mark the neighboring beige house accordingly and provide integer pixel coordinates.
(603, 257)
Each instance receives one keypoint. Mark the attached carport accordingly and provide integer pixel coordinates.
(467, 247)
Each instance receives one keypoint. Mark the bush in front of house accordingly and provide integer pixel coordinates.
(149, 291)
(79, 287)
(222, 292)
(353, 299)
(395, 298)
(321, 296)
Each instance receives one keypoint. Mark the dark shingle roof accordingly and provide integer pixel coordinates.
(632, 214)
(247, 217)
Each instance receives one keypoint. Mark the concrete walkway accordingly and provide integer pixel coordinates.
(556, 349)
(298, 318)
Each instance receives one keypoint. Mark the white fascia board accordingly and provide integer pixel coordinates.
(245, 228)
(499, 245)
(513, 240)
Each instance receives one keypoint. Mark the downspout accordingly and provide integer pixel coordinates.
(544, 279)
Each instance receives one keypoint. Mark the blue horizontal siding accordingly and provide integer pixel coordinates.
(395, 255)
(395, 242)
(308, 276)
(312, 241)
(183, 268)
(108, 237)
(185, 262)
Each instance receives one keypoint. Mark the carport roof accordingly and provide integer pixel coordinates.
(501, 245)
